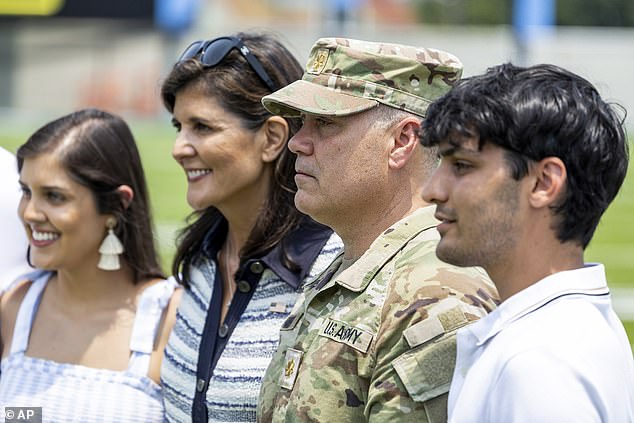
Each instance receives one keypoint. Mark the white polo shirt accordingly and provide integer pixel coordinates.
(554, 352)
(13, 241)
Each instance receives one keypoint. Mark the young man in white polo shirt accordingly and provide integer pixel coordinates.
(531, 158)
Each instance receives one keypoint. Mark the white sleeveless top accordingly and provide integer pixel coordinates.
(75, 393)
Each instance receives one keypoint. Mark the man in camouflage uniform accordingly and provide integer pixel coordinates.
(373, 337)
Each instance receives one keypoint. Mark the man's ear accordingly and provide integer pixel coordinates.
(549, 182)
(405, 140)
(126, 194)
(275, 134)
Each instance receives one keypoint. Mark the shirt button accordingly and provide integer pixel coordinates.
(243, 286)
(200, 385)
(223, 330)
(256, 267)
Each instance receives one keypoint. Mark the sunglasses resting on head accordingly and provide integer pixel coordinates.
(212, 52)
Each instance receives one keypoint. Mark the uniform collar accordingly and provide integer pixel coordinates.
(386, 246)
(302, 246)
(589, 280)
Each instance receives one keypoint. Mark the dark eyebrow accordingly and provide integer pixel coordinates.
(453, 147)
(447, 151)
(44, 187)
(54, 188)
(194, 120)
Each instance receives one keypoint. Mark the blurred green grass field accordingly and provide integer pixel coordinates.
(612, 245)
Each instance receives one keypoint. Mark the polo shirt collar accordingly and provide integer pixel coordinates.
(589, 280)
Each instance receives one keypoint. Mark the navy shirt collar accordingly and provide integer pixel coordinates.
(302, 246)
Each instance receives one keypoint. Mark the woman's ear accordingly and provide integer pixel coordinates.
(275, 132)
(126, 194)
(405, 140)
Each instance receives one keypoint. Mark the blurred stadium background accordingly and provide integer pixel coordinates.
(61, 55)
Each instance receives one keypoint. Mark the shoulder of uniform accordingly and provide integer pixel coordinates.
(420, 269)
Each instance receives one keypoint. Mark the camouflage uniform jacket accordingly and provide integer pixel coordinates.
(377, 341)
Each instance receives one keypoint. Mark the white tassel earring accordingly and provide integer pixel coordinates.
(110, 248)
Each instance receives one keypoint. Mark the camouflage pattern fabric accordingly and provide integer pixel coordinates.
(377, 341)
(345, 76)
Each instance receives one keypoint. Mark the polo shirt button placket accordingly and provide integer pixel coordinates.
(244, 286)
(223, 330)
(256, 267)
(200, 385)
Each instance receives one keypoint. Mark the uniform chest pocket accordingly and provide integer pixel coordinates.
(426, 370)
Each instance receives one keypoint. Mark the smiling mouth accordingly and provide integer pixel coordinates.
(44, 236)
(42, 239)
(197, 173)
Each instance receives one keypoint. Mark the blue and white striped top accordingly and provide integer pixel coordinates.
(75, 393)
(233, 389)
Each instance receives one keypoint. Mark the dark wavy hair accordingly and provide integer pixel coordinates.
(98, 151)
(537, 112)
(238, 89)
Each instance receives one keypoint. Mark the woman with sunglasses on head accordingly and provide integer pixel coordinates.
(83, 336)
(247, 251)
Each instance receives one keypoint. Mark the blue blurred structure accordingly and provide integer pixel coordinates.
(174, 17)
(531, 19)
(340, 13)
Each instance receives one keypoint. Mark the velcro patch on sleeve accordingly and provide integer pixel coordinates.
(434, 326)
(353, 336)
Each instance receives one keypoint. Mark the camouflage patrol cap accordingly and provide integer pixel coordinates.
(345, 76)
